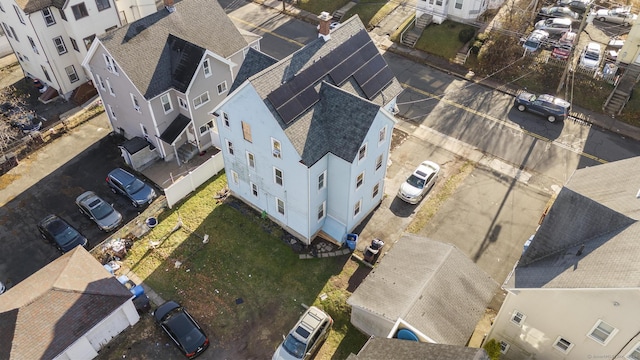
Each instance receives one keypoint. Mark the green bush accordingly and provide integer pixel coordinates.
(492, 347)
(466, 34)
(475, 48)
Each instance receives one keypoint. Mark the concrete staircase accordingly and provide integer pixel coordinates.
(186, 152)
(339, 14)
(460, 58)
(411, 36)
(622, 92)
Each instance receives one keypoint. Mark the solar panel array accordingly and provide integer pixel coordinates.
(357, 57)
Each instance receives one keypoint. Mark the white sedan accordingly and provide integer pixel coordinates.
(617, 16)
(419, 183)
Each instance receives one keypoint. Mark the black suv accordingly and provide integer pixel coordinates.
(125, 183)
(59, 233)
(552, 108)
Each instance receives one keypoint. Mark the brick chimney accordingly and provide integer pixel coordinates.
(168, 4)
(323, 28)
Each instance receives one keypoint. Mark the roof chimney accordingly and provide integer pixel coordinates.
(168, 4)
(323, 28)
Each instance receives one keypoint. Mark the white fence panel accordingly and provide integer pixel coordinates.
(188, 183)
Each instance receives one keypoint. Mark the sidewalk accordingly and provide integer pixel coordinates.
(395, 19)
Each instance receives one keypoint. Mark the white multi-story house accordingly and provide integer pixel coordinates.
(51, 38)
(457, 10)
(575, 292)
(160, 76)
(306, 140)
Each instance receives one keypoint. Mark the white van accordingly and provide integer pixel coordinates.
(555, 25)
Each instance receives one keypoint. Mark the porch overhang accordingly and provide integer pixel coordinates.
(178, 127)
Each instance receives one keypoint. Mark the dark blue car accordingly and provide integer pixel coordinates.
(59, 233)
(551, 107)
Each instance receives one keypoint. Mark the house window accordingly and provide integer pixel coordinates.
(234, 177)
(201, 100)
(280, 206)
(26, 58)
(48, 17)
(113, 93)
(254, 189)
(360, 180)
(111, 64)
(46, 73)
(562, 345)
(59, 43)
(136, 104)
(277, 176)
(19, 13)
(100, 82)
(458, 4)
(251, 160)
(205, 127)
(74, 44)
(206, 68)
(602, 332)
(62, 15)
(439, 2)
(321, 179)
(87, 44)
(321, 210)
(111, 28)
(276, 149)
(225, 119)
(6, 30)
(15, 36)
(376, 189)
(182, 102)
(229, 147)
(362, 152)
(102, 4)
(33, 44)
(71, 73)
(79, 11)
(382, 135)
(246, 131)
(113, 113)
(504, 347)
(356, 208)
(518, 318)
(166, 103)
(379, 162)
(222, 87)
(635, 353)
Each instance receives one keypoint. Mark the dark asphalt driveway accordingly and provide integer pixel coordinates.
(22, 249)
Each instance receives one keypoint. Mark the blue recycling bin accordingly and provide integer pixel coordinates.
(352, 241)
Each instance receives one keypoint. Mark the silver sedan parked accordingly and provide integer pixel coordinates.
(98, 210)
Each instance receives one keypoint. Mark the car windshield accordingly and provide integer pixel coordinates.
(101, 211)
(63, 233)
(294, 346)
(134, 186)
(592, 55)
(192, 340)
(415, 181)
(532, 43)
(188, 334)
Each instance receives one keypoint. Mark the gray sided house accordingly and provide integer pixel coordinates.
(429, 287)
(306, 139)
(69, 309)
(159, 76)
(575, 292)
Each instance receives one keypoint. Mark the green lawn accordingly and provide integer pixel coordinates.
(246, 259)
(371, 12)
(442, 39)
(318, 6)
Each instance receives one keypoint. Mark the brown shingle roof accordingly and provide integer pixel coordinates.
(57, 305)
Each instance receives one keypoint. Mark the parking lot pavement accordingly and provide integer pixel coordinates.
(48, 182)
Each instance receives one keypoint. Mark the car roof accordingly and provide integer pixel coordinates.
(121, 173)
(309, 322)
(85, 197)
(594, 46)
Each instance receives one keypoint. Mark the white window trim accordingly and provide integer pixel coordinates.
(555, 345)
(169, 102)
(506, 346)
(379, 160)
(183, 103)
(382, 132)
(358, 206)
(324, 211)
(284, 206)
(249, 156)
(597, 324)
(254, 186)
(112, 113)
(362, 183)
(276, 151)
(133, 102)
(50, 16)
(110, 64)
(201, 102)
(234, 177)
(225, 120)
(275, 178)
(230, 149)
(64, 46)
(364, 157)
(100, 82)
(373, 190)
(635, 348)
(513, 317)
(206, 68)
(324, 180)
(224, 87)
(110, 88)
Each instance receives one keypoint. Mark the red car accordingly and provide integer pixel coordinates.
(564, 47)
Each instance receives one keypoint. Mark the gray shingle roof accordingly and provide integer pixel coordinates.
(57, 305)
(347, 104)
(31, 6)
(175, 129)
(254, 62)
(378, 348)
(150, 50)
(426, 283)
(596, 212)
